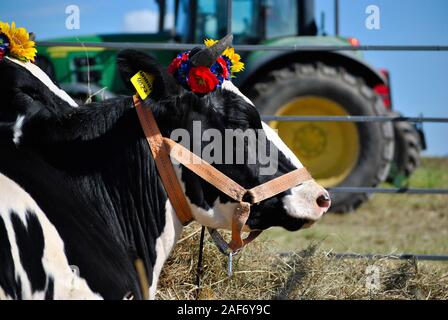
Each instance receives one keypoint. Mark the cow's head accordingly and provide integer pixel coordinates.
(203, 122)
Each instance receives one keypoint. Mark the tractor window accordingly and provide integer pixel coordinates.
(212, 19)
(256, 20)
(201, 19)
(252, 20)
(281, 18)
(246, 26)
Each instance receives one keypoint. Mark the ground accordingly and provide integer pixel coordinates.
(386, 224)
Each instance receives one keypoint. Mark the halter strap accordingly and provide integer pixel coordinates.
(163, 163)
(234, 190)
(228, 186)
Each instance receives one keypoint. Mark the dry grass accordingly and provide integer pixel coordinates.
(261, 273)
(387, 224)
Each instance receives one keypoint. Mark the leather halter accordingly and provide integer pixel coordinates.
(162, 148)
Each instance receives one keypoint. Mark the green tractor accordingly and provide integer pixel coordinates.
(281, 83)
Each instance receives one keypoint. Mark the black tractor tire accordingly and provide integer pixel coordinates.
(408, 147)
(376, 138)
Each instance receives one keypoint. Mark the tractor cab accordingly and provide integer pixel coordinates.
(253, 21)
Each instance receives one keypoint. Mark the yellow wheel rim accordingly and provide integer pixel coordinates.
(329, 150)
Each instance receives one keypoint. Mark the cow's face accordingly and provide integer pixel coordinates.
(226, 115)
(298, 207)
(203, 124)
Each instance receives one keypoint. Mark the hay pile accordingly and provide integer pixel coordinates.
(261, 273)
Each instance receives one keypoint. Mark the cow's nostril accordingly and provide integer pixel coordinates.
(323, 200)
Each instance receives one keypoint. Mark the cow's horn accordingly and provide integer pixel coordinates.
(206, 57)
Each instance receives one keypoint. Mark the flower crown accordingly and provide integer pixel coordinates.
(16, 42)
(205, 78)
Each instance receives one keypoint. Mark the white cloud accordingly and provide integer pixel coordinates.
(141, 21)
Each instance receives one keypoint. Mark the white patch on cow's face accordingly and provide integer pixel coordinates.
(272, 136)
(217, 217)
(67, 285)
(43, 77)
(228, 85)
(164, 244)
(17, 130)
(302, 202)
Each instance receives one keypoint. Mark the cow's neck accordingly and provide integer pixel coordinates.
(110, 164)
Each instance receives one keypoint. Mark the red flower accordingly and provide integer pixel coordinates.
(202, 80)
(223, 65)
(174, 65)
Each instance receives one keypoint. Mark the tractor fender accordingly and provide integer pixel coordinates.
(258, 65)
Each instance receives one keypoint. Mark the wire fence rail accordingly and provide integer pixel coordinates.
(369, 190)
(402, 256)
(242, 47)
(388, 190)
(354, 119)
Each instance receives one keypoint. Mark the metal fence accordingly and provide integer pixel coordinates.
(242, 47)
(433, 48)
(401, 256)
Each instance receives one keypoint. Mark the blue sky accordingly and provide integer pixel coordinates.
(419, 79)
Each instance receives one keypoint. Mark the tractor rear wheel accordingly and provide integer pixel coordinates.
(408, 147)
(336, 153)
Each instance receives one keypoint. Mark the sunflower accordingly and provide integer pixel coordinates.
(209, 42)
(21, 47)
(235, 58)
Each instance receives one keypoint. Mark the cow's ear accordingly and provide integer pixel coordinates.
(131, 61)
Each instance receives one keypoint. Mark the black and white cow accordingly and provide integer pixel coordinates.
(79, 187)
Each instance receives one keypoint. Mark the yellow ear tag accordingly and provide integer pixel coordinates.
(142, 82)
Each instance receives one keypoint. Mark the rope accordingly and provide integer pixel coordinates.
(199, 267)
